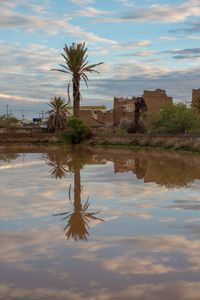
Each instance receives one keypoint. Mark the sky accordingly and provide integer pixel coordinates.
(144, 45)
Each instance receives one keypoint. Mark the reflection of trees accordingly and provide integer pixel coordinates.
(7, 157)
(172, 170)
(58, 163)
(79, 217)
(172, 173)
(68, 160)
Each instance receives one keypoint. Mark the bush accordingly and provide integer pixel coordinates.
(129, 126)
(76, 131)
(177, 118)
(8, 121)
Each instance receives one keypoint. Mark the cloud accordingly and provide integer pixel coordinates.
(192, 28)
(20, 98)
(131, 45)
(132, 79)
(91, 12)
(167, 38)
(165, 13)
(82, 2)
(189, 53)
(51, 25)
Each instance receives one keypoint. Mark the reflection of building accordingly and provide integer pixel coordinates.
(166, 169)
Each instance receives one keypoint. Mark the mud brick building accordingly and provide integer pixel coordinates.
(196, 99)
(105, 117)
(123, 108)
(156, 99)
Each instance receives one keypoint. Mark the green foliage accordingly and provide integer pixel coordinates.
(177, 118)
(120, 131)
(77, 65)
(57, 115)
(8, 121)
(76, 131)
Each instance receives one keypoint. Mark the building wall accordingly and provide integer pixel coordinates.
(123, 108)
(87, 117)
(105, 117)
(196, 98)
(155, 99)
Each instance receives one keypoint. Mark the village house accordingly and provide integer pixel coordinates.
(196, 99)
(124, 108)
(89, 114)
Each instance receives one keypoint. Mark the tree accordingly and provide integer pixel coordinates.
(76, 64)
(57, 115)
(140, 107)
(176, 118)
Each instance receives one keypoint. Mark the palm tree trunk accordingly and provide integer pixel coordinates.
(76, 95)
(77, 189)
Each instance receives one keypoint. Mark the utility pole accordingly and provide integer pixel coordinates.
(22, 114)
(7, 110)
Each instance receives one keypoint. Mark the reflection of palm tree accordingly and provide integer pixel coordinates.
(67, 160)
(58, 163)
(78, 219)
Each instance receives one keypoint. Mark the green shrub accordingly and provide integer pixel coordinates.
(8, 121)
(177, 118)
(76, 131)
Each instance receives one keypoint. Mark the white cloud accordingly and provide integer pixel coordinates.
(82, 2)
(21, 98)
(91, 12)
(165, 13)
(168, 38)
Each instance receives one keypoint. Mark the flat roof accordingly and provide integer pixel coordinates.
(89, 106)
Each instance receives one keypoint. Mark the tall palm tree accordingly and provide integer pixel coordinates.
(76, 64)
(57, 114)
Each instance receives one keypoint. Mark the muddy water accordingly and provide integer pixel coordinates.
(99, 224)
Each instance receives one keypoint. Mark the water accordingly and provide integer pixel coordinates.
(99, 224)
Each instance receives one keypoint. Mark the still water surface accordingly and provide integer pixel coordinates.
(99, 224)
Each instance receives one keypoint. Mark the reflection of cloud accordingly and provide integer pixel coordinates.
(179, 290)
(20, 165)
(134, 265)
(146, 254)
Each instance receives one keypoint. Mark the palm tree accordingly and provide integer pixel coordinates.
(57, 114)
(76, 64)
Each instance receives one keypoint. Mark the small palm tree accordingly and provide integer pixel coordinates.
(57, 115)
(76, 64)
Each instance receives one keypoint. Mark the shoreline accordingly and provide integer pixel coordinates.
(188, 143)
